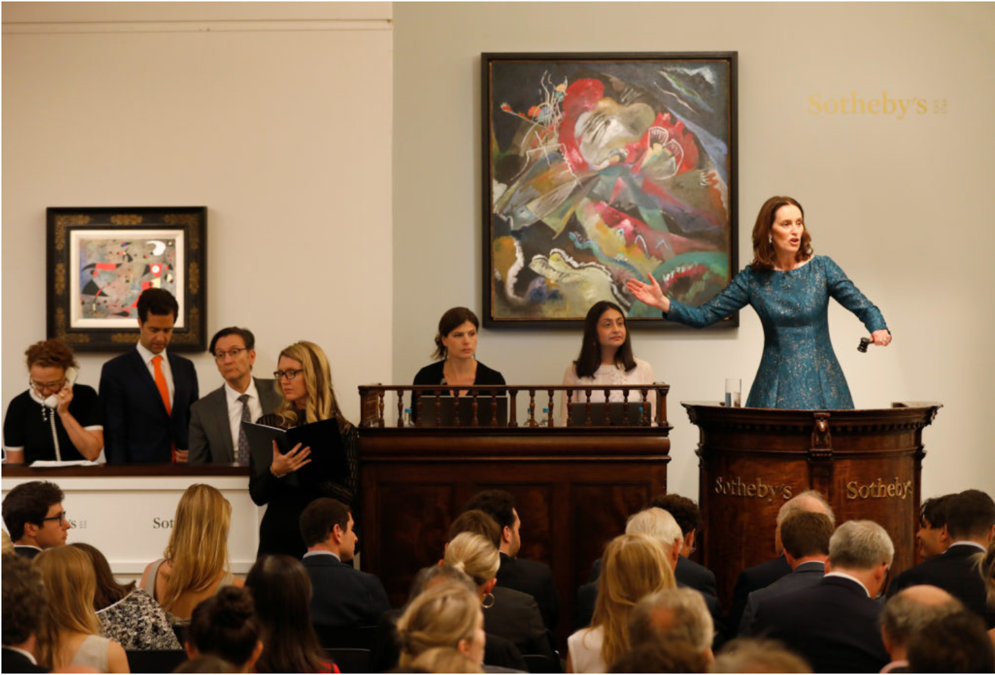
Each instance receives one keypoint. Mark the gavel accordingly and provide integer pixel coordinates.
(862, 347)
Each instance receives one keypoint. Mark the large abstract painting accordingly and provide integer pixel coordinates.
(601, 168)
(101, 259)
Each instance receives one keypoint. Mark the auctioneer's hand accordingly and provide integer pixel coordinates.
(652, 295)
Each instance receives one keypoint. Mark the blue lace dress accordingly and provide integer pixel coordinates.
(798, 369)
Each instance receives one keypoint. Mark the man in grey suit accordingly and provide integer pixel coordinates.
(216, 420)
(805, 538)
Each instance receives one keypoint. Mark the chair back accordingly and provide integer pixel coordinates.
(155, 661)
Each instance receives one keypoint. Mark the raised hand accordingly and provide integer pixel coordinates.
(650, 294)
(290, 462)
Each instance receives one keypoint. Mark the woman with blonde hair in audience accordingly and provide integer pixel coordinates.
(71, 637)
(508, 613)
(195, 563)
(305, 380)
(128, 614)
(445, 615)
(633, 566)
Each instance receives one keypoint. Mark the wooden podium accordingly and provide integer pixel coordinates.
(573, 486)
(752, 460)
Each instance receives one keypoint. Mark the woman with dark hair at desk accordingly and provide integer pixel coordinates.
(606, 359)
(305, 379)
(456, 353)
(789, 288)
(55, 419)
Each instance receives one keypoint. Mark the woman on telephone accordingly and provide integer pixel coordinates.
(55, 419)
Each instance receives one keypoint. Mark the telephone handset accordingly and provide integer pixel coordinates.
(53, 400)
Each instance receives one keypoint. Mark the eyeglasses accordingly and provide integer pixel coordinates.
(289, 374)
(61, 517)
(55, 384)
(233, 352)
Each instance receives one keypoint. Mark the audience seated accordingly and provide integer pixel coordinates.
(24, 607)
(834, 623)
(35, 518)
(758, 655)
(678, 614)
(635, 565)
(445, 660)
(71, 634)
(508, 614)
(445, 615)
(224, 625)
(527, 576)
(805, 538)
(766, 573)
(281, 590)
(663, 655)
(685, 511)
(932, 537)
(907, 612)
(128, 615)
(955, 643)
(195, 565)
(343, 597)
(971, 526)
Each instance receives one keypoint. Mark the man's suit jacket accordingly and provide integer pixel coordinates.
(954, 571)
(343, 597)
(28, 552)
(536, 579)
(210, 428)
(16, 662)
(515, 616)
(753, 579)
(833, 625)
(805, 575)
(136, 426)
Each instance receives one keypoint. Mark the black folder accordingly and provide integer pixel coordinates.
(328, 460)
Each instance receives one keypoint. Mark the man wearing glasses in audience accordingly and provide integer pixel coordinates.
(35, 517)
(216, 420)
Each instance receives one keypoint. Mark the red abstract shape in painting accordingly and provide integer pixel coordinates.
(580, 97)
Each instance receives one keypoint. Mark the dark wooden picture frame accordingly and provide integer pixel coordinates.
(99, 259)
(598, 168)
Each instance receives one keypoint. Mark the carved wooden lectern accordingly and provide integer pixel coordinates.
(752, 460)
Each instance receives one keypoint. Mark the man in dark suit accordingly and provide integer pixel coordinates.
(971, 526)
(932, 537)
(343, 597)
(527, 576)
(766, 573)
(216, 435)
(685, 511)
(35, 517)
(24, 605)
(805, 537)
(908, 612)
(146, 393)
(834, 624)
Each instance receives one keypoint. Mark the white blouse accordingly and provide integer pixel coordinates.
(584, 648)
(642, 374)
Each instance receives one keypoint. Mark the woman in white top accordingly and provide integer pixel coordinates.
(606, 359)
(70, 636)
(634, 565)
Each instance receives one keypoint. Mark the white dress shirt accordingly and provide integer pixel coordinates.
(147, 356)
(235, 410)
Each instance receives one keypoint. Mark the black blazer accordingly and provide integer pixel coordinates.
(536, 579)
(954, 571)
(16, 662)
(210, 429)
(28, 552)
(749, 580)
(833, 625)
(343, 597)
(432, 374)
(806, 575)
(136, 426)
(515, 617)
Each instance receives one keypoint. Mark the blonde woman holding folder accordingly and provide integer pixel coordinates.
(305, 380)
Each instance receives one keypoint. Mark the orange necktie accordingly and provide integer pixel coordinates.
(160, 384)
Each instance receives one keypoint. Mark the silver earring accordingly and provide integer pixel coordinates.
(770, 239)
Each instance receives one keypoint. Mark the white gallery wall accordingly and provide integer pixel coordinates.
(901, 202)
(276, 116)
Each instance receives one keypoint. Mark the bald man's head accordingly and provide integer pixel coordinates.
(910, 610)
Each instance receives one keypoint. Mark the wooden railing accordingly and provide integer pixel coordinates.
(374, 403)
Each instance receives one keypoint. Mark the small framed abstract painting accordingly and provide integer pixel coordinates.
(101, 259)
(600, 168)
